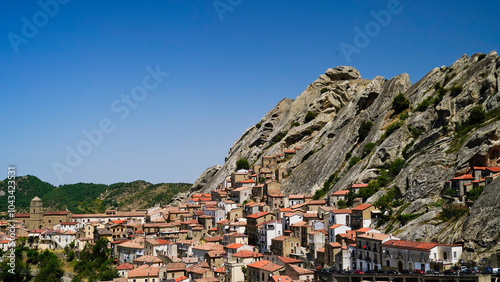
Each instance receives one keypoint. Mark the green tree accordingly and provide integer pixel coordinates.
(242, 164)
(364, 130)
(477, 115)
(50, 268)
(341, 204)
(21, 271)
(309, 116)
(400, 103)
(95, 263)
(396, 166)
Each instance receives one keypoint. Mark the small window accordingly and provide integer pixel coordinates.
(454, 254)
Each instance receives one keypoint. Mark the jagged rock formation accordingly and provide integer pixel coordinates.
(428, 137)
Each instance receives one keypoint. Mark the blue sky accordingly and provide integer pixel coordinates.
(228, 63)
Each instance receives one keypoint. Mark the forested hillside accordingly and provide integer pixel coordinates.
(90, 197)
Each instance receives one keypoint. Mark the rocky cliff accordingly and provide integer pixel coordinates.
(436, 137)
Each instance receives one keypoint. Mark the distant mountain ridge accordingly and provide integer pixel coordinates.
(90, 197)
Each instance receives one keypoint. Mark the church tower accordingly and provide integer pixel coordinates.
(36, 214)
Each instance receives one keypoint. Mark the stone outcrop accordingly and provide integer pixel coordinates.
(426, 138)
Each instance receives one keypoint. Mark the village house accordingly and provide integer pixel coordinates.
(340, 216)
(144, 273)
(285, 246)
(335, 230)
(337, 196)
(130, 250)
(237, 262)
(268, 231)
(369, 247)
(291, 218)
(299, 273)
(400, 254)
(252, 221)
(174, 270)
(263, 270)
(362, 216)
(316, 242)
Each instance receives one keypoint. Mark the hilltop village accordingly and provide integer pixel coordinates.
(246, 229)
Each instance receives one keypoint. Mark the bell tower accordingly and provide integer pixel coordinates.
(36, 214)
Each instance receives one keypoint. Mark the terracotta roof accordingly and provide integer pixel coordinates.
(214, 238)
(148, 259)
(300, 270)
(359, 185)
(410, 245)
(363, 230)
(300, 223)
(282, 278)
(341, 211)
(56, 213)
(22, 215)
(202, 264)
(247, 254)
(295, 196)
(334, 226)
(216, 253)
(243, 188)
(464, 177)
(209, 247)
(125, 266)
(374, 236)
(265, 265)
(144, 271)
(234, 246)
(493, 168)
(258, 214)
(280, 238)
(362, 207)
(322, 250)
(248, 181)
(181, 278)
(310, 214)
(335, 244)
(131, 244)
(220, 270)
(289, 151)
(318, 202)
(235, 234)
(341, 193)
(287, 260)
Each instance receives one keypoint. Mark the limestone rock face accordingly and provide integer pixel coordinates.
(483, 224)
(343, 73)
(425, 137)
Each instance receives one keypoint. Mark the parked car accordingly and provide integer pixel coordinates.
(432, 272)
(468, 271)
(381, 271)
(370, 271)
(487, 270)
(449, 272)
(357, 271)
(405, 271)
(339, 271)
(347, 272)
(418, 271)
(392, 272)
